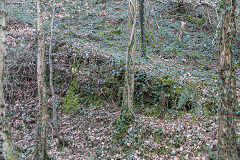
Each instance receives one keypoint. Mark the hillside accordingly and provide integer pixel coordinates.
(176, 86)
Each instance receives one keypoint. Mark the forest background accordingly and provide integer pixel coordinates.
(177, 84)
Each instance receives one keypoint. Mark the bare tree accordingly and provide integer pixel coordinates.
(54, 106)
(227, 146)
(6, 146)
(54, 100)
(41, 139)
(130, 57)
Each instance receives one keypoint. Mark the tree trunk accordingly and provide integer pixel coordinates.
(141, 12)
(55, 128)
(41, 150)
(6, 146)
(227, 147)
(56, 134)
(182, 30)
(130, 57)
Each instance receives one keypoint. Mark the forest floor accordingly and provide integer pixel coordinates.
(91, 130)
(183, 136)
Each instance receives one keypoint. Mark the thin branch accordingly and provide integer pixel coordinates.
(20, 2)
(155, 17)
(62, 141)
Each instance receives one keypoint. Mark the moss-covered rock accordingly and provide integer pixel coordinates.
(72, 101)
(156, 90)
(98, 79)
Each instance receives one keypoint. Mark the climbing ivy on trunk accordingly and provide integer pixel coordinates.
(130, 57)
(227, 147)
(6, 146)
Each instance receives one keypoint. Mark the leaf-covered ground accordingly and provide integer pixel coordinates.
(182, 136)
(103, 30)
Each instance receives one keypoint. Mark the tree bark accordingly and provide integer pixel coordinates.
(56, 134)
(141, 12)
(6, 146)
(182, 30)
(227, 146)
(130, 57)
(41, 150)
(55, 128)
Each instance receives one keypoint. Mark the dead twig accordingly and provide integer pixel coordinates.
(20, 2)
